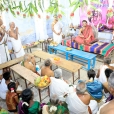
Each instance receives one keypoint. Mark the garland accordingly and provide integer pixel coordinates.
(21, 7)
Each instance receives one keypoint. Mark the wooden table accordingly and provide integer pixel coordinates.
(27, 75)
(11, 63)
(65, 64)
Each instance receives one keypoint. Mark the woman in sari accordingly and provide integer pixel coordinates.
(27, 105)
(55, 107)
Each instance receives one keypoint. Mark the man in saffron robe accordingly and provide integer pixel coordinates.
(86, 35)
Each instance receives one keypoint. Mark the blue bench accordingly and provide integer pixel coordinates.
(80, 56)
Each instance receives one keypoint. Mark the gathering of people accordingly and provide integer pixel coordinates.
(83, 97)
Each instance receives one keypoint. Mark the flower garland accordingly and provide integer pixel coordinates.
(21, 8)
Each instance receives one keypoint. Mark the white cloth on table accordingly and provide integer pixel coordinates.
(58, 87)
(57, 27)
(17, 47)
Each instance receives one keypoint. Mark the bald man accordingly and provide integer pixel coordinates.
(4, 53)
(15, 40)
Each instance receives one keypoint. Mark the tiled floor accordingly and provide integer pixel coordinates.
(66, 75)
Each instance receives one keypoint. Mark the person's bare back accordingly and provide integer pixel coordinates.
(108, 109)
(46, 71)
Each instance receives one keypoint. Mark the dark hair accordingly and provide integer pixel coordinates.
(11, 85)
(91, 74)
(107, 61)
(6, 75)
(108, 72)
(26, 97)
(84, 21)
(47, 62)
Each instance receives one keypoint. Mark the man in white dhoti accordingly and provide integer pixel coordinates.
(4, 53)
(58, 86)
(79, 101)
(15, 40)
(57, 30)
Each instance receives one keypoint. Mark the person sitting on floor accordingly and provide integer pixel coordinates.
(108, 108)
(55, 106)
(108, 73)
(58, 86)
(94, 87)
(46, 69)
(12, 98)
(79, 101)
(101, 73)
(27, 105)
(3, 85)
(86, 35)
(29, 62)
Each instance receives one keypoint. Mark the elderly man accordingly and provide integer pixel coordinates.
(57, 30)
(86, 35)
(4, 53)
(108, 108)
(15, 40)
(46, 69)
(58, 86)
(79, 101)
(29, 62)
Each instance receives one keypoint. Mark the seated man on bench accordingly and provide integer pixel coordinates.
(86, 35)
(29, 62)
(46, 69)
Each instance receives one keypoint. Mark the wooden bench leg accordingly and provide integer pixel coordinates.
(30, 50)
(79, 74)
(94, 60)
(26, 84)
(40, 95)
(48, 91)
(13, 76)
(89, 65)
(73, 76)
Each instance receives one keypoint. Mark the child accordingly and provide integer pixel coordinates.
(12, 98)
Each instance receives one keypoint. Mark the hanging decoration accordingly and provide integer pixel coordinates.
(21, 8)
(82, 3)
(54, 8)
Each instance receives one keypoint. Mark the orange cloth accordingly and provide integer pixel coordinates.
(86, 33)
(10, 101)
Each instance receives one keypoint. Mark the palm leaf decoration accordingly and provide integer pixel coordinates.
(54, 7)
(82, 3)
